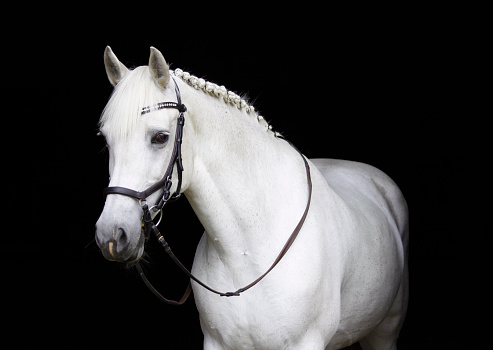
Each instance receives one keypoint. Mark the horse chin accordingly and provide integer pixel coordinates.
(134, 258)
(138, 253)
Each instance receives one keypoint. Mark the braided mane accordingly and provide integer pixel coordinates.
(221, 91)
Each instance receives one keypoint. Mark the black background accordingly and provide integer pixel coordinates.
(397, 92)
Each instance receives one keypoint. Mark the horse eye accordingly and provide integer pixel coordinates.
(160, 138)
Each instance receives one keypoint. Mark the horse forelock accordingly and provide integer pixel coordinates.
(123, 110)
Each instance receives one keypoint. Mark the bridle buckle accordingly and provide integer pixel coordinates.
(156, 209)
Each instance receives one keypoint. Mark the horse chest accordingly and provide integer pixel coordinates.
(246, 322)
(275, 311)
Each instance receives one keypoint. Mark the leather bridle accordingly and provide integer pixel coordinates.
(165, 183)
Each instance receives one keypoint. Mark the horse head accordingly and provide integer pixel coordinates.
(140, 139)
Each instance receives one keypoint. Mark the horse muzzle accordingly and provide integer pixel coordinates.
(118, 244)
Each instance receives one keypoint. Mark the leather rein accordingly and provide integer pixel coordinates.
(165, 184)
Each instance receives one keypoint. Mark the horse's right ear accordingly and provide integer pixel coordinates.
(115, 69)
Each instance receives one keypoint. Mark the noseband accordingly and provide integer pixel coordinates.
(165, 183)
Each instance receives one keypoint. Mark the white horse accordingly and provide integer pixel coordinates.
(343, 280)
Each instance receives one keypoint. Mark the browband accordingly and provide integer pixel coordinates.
(162, 105)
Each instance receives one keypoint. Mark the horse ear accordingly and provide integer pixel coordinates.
(115, 69)
(158, 67)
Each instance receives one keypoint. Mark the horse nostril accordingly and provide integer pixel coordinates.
(121, 239)
(115, 243)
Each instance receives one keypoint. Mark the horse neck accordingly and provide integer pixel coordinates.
(248, 187)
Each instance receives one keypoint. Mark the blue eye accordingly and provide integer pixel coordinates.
(160, 138)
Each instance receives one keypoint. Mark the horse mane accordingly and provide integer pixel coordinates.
(122, 113)
(241, 102)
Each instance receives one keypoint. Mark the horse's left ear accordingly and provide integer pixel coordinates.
(115, 69)
(158, 67)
